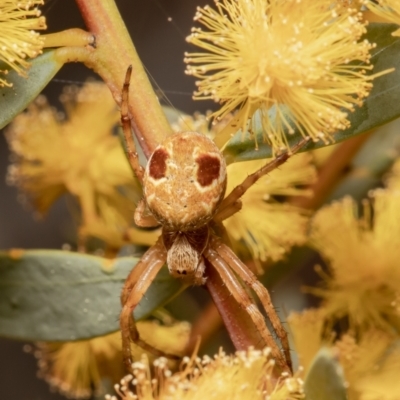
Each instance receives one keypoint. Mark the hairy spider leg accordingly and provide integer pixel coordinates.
(135, 288)
(145, 221)
(127, 128)
(228, 211)
(154, 254)
(261, 291)
(244, 300)
(229, 205)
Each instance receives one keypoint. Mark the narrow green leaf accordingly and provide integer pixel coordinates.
(15, 99)
(380, 107)
(372, 162)
(325, 380)
(57, 295)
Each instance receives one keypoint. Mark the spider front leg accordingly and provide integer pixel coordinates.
(241, 296)
(231, 204)
(127, 128)
(136, 285)
(141, 219)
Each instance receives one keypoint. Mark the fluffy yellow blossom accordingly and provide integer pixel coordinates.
(79, 369)
(77, 153)
(371, 366)
(245, 375)
(307, 330)
(389, 10)
(299, 62)
(370, 360)
(267, 226)
(18, 19)
(362, 255)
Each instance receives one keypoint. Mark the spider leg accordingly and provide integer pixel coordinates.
(228, 207)
(251, 280)
(142, 219)
(151, 256)
(228, 210)
(135, 287)
(126, 127)
(244, 300)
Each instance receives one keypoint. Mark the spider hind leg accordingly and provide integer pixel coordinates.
(239, 293)
(260, 290)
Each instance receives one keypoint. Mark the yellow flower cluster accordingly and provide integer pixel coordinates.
(269, 227)
(77, 153)
(18, 40)
(79, 369)
(245, 375)
(370, 361)
(299, 63)
(362, 254)
(360, 247)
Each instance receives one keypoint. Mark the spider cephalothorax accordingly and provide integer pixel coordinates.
(184, 185)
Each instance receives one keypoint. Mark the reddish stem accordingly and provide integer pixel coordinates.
(332, 172)
(237, 322)
(114, 52)
(205, 326)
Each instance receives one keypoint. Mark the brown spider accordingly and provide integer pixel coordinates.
(184, 184)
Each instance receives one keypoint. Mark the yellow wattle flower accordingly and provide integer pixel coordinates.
(76, 153)
(389, 10)
(371, 365)
(362, 256)
(307, 329)
(370, 359)
(299, 63)
(80, 369)
(247, 375)
(18, 40)
(269, 227)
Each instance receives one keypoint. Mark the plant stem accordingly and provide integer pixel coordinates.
(205, 326)
(113, 54)
(331, 173)
(71, 37)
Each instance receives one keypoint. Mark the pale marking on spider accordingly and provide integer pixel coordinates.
(184, 185)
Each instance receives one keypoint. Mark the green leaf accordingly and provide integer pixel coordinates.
(325, 380)
(380, 107)
(54, 295)
(15, 99)
(371, 163)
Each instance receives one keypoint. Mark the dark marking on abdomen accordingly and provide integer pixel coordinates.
(158, 164)
(209, 169)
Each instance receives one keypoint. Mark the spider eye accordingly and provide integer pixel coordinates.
(158, 165)
(209, 169)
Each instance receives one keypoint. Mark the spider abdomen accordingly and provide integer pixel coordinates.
(185, 181)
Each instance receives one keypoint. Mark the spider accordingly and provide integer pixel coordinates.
(184, 185)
